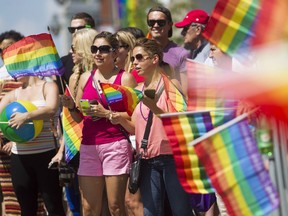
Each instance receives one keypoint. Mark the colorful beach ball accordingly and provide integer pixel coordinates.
(28, 131)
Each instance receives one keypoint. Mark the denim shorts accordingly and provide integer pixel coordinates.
(106, 159)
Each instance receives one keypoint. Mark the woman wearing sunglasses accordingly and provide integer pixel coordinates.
(105, 153)
(83, 62)
(126, 43)
(158, 172)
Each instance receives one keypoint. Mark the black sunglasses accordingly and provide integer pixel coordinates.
(139, 58)
(102, 49)
(73, 29)
(160, 23)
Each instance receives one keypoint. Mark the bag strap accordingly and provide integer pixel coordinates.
(99, 91)
(144, 141)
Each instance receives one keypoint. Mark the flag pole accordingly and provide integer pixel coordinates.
(2, 122)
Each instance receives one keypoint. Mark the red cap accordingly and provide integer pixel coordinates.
(193, 16)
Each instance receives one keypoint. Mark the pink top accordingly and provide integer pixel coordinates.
(137, 77)
(158, 143)
(101, 131)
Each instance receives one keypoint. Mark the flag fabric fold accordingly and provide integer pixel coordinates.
(115, 93)
(34, 55)
(72, 133)
(237, 26)
(235, 167)
(176, 99)
(181, 129)
(204, 95)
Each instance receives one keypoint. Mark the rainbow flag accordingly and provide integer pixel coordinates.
(204, 95)
(234, 165)
(273, 16)
(176, 99)
(181, 129)
(114, 93)
(127, 12)
(239, 24)
(72, 133)
(34, 55)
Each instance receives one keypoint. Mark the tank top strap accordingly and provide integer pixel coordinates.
(119, 77)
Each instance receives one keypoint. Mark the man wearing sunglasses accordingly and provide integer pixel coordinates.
(193, 25)
(160, 24)
(78, 21)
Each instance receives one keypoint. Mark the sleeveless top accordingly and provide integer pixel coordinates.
(43, 142)
(101, 131)
(158, 143)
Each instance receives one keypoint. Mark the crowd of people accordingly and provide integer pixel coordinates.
(126, 57)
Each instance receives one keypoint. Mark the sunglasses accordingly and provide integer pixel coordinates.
(160, 23)
(73, 29)
(102, 49)
(139, 57)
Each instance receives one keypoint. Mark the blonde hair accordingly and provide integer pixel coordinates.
(128, 39)
(82, 41)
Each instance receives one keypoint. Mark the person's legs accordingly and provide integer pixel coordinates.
(133, 204)
(116, 160)
(178, 198)
(91, 190)
(151, 188)
(73, 197)
(25, 184)
(116, 187)
(48, 184)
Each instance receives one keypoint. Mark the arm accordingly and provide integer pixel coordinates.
(128, 80)
(70, 104)
(52, 102)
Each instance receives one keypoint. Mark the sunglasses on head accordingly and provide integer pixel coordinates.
(102, 49)
(160, 23)
(139, 58)
(73, 29)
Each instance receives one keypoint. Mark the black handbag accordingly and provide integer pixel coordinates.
(134, 180)
(135, 172)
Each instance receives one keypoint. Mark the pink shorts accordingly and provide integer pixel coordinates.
(106, 159)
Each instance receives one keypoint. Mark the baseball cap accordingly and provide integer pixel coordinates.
(194, 16)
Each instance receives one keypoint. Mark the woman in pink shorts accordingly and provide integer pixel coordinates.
(105, 153)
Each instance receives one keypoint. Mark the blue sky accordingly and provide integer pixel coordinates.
(28, 17)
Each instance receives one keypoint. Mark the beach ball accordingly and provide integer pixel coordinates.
(28, 131)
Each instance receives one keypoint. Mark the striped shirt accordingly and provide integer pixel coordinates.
(42, 143)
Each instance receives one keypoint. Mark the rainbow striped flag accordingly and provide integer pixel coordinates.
(72, 133)
(205, 95)
(127, 12)
(181, 129)
(176, 99)
(239, 24)
(234, 165)
(130, 96)
(34, 55)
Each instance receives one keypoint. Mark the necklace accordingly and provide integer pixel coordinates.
(146, 118)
